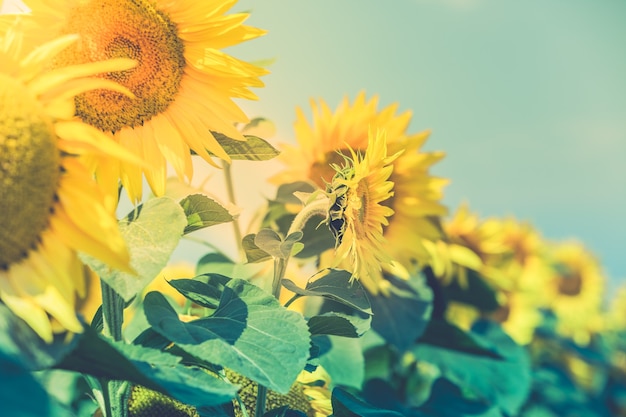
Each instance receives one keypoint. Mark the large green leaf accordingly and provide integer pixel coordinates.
(22, 395)
(202, 211)
(344, 362)
(337, 285)
(449, 400)
(347, 405)
(249, 332)
(188, 384)
(501, 383)
(402, 316)
(476, 292)
(252, 149)
(19, 342)
(446, 335)
(151, 368)
(152, 232)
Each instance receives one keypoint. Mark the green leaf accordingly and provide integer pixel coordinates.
(331, 324)
(344, 362)
(22, 395)
(502, 383)
(449, 400)
(291, 244)
(19, 342)
(477, 293)
(198, 292)
(188, 384)
(202, 211)
(253, 149)
(151, 368)
(95, 356)
(152, 232)
(285, 192)
(347, 405)
(446, 335)
(279, 217)
(250, 332)
(402, 316)
(316, 239)
(253, 252)
(334, 284)
(284, 411)
(270, 242)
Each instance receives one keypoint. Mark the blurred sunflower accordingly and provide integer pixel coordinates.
(184, 84)
(575, 290)
(356, 215)
(417, 194)
(464, 246)
(50, 205)
(509, 258)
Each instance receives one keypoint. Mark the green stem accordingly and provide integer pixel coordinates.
(317, 207)
(280, 266)
(116, 393)
(291, 300)
(230, 189)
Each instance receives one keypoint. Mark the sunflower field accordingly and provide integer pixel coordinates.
(354, 290)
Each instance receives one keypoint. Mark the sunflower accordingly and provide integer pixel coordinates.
(184, 84)
(509, 258)
(356, 215)
(575, 290)
(309, 394)
(417, 194)
(50, 205)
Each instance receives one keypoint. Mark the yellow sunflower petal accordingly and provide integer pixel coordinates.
(184, 84)
(44, 180)
(25, 308)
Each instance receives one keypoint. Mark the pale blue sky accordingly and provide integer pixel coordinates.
(528, 98)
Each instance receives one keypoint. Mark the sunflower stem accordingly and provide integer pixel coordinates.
(315, 208)
(112, 312)
(230, 189)
(116, 393)
(280, 266)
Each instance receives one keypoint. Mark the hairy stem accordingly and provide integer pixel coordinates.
(317, 207)
(116, 393)
(230, 189)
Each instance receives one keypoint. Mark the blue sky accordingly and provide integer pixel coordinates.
(528, 99)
